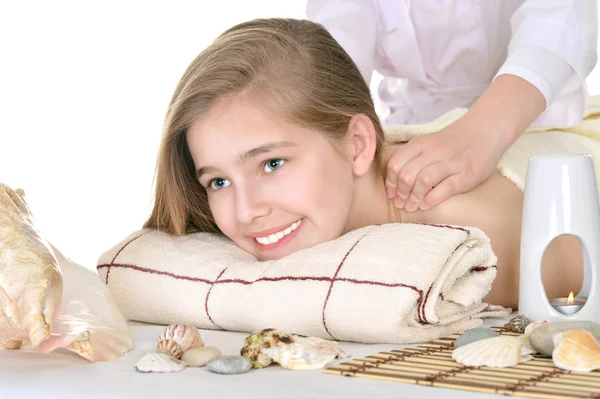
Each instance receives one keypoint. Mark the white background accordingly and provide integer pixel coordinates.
(84, 86)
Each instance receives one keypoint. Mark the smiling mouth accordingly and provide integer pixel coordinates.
(281, 237)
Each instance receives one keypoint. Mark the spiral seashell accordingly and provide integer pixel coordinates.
(576, 350)
(517, 324)
(264, 339)
(159, 363)
(178, 338)
(502, 351)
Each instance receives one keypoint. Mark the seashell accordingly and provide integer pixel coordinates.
(264, 339)
(517, 324)
(542, 337)
(532, 326)
(528, 348)
(299, 357)
(178, 338)
(159, 363)
(502, 351)
(31, 283)
(576, 350)
(46, 299)
(322, 345)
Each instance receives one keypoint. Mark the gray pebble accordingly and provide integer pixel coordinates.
(198, 357)
(541, 337)
(473, 335)
(229, 365)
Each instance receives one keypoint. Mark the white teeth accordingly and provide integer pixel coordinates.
(273, 238)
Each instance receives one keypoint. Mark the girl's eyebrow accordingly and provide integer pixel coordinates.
(250, 154)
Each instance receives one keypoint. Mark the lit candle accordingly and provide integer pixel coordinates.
(567, 306)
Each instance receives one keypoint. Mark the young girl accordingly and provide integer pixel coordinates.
(272, 139)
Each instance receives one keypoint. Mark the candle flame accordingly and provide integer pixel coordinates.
(570, 299)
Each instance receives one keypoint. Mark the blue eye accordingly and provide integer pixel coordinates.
(273, 164)
(218, 183)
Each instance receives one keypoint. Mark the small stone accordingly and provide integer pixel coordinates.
(541, 337)
(473, 335)
(229, 365)
(198, 357)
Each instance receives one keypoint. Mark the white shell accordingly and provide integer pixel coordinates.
(178, 338)
(306, 353)
(159, 363)
(48, 300)
(502, 351)
(298, 357)
(322, 345)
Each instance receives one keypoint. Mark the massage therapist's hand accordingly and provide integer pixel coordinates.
(434, 167)
(431, 168)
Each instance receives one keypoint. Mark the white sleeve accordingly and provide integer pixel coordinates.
(554, 42)
(547, 71)
(353, 24)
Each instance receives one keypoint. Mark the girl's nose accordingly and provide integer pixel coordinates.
(250, 204)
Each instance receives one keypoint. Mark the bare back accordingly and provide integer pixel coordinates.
(495, 206)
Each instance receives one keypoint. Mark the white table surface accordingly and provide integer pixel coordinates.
(25, 374)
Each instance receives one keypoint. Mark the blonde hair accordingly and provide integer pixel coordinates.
(293, 66)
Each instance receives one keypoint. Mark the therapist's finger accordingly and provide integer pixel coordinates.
(426, 180)
(397, 162)
(408, 176)
(447, 188)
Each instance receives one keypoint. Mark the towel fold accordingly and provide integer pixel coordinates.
(395, 283)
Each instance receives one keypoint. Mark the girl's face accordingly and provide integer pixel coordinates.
(273, 187)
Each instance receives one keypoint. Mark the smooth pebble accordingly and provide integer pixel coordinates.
(541, 337)
(229, 365)
(473, 335)
(198, 357)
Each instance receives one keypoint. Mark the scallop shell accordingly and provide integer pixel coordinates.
(178, 338)
(159, 363)
(264, 339)
(502, 351)
(576, 350)
(517, 324)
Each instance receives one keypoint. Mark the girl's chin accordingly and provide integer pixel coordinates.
(273, 255)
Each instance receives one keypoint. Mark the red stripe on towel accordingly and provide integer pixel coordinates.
(152, 271)
(118, 252)
(206, 300)
(286, 278)
(333, 280)
(446, 226)
(423, 304)
(482, 268)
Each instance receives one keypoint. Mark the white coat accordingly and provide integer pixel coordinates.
(436, 55)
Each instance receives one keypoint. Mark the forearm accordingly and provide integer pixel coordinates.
(506, 109)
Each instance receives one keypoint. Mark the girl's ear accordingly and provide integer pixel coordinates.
(364, 141)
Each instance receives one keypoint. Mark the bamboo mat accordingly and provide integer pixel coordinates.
(432, 365)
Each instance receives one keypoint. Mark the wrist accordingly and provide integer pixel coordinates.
(506, 109)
